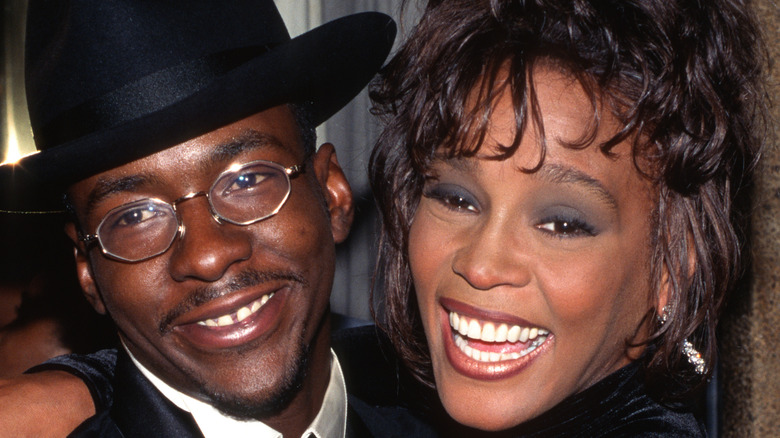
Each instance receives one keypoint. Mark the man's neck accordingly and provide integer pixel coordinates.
(307, 405)
(293, 420)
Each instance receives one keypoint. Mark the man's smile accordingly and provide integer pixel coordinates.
(209, 334)
(237, 299)
(247, 307)
(234, 313)
(237, 316)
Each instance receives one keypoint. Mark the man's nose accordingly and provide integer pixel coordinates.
(206, 248)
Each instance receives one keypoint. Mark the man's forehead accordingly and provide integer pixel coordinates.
(274, 132)
(274, 129)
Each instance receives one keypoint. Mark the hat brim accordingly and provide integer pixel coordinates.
(324, 68)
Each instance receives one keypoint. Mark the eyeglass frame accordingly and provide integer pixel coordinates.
(290, 173)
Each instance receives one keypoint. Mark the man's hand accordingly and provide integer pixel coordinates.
(45, 404)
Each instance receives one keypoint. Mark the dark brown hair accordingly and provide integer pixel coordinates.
(682, 76)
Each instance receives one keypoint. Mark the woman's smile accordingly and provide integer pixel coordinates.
(489, 345)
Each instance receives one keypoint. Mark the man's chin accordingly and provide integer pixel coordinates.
(268, 403)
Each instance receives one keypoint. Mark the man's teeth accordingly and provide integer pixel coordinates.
(240, 315)
(494, 332)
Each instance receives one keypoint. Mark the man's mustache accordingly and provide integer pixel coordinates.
(245, 279)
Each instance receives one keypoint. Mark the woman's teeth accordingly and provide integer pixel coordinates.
(240, 315)
(468, 328)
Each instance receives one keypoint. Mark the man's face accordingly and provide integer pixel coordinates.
(177, 312)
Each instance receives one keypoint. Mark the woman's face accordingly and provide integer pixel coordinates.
(530, 284)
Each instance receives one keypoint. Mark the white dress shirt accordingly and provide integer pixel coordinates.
(330, 422)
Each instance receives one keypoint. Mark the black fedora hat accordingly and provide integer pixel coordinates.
(111, 81)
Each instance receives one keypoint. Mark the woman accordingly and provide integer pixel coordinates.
(557, 182)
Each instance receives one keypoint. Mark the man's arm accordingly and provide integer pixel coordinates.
(45, 404)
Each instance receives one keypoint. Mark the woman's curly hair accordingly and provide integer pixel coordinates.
(684, 77)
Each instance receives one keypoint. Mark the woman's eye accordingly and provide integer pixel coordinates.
(452, 197)
(458, 203)
(566, 227)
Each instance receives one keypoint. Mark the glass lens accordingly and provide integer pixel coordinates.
(250, 193)
(138, 230)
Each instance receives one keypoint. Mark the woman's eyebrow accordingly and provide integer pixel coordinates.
(559, 174)
(555, 173)
(457, 163)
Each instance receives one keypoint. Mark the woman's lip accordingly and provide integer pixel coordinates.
(240, 333)
(480, 370)
(470, 311)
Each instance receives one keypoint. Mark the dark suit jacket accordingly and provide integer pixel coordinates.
(383, 401)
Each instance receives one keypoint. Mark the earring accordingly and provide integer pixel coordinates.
(693, 355)
(664, 316)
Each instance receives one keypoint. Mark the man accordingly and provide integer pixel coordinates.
(203, 219)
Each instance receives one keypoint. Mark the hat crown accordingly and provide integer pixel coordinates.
(82, 49)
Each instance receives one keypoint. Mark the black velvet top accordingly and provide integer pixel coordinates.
(617, 406)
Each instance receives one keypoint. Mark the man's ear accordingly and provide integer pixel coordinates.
(84, 270)
(336, 189)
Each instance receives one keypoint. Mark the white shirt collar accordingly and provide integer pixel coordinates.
(330, 422)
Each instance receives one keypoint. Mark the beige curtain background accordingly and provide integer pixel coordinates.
(750, 329)
(353, 131)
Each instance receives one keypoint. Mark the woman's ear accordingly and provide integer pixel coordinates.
(665, 291)
(84, 270)
(336, 189)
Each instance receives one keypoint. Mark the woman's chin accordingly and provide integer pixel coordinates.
(483, 415)
(492, 396)
(487, 406)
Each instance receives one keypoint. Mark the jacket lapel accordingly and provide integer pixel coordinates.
(140, 410)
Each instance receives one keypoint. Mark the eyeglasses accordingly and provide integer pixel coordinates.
(241, 195)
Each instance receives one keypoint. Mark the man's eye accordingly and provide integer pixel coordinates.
(136, 216)
(566, 227)
(247, 180)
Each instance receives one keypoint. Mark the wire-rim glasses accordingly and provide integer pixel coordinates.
(242, 195)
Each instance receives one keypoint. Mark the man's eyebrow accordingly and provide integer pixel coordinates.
(568, 175)
(248, 140)
(106, 187)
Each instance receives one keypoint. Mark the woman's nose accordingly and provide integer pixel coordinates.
(493, 254)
